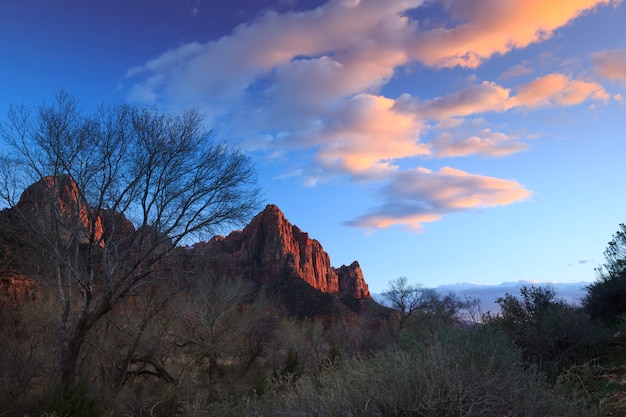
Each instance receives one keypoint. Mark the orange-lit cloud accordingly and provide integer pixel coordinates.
(485, 143)
(312, 81)
(417, 196)
(558, 89)
(489, 27)
(611, 65)
(475, 99)
(366, 135)
(517, 71)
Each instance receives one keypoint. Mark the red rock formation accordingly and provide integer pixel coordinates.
(351, 281)
(270, 248)
(16, 289)
(58, 198)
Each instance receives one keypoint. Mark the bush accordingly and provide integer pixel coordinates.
(550, 333)
(75, 401)
(451, 373)
(606, 297)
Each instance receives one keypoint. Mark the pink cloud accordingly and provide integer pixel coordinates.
(365, 135)
(316, 78)
(490, 27)
(611, 65)
(517, 71)
(558, 89)
(479, 98)
(485, 143)
(417, 196)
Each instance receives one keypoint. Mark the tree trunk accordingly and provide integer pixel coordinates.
(70, 350)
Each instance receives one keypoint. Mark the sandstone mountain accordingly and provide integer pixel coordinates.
(271, 247)
(275, 254)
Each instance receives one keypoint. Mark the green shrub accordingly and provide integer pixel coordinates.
(606, 297)
(75, 401)
(449, 373)
(550, 333)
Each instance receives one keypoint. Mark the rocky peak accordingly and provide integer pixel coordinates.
(59, 196)
(351, 281)
(270, 248)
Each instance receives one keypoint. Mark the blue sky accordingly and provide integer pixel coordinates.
(446, 141)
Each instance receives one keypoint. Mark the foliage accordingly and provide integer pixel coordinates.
(75, 401)
(449, 373)
(606, 297)
(424, 304)
(550, 332)
(162, 172)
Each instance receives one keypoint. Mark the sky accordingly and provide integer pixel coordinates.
(447, 141)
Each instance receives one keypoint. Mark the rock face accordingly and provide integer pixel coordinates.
(16, 289)
(58, 198)
(270, 248)
(351, 280)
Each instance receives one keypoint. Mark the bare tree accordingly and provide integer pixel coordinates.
(117, 191)
(225, 318)
(424, 303)
(405, 298)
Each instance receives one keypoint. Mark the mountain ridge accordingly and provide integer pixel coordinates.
(270, 251)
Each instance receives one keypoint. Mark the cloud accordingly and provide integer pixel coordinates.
(485, 143)
(479, 98)
(558, 89)
(310, 82)
(488, 27)
(418, 196)
(364, 135)
(611, 65)
(517, 71)
(352, 33)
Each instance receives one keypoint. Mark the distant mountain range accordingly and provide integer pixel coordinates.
(572, 293)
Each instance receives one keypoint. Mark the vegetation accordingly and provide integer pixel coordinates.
(127, 324)
(424, 305)
(98, 175)
(606, 297)
(550, 333)
(451, 372)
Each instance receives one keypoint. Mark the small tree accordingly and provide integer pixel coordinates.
(405, 298)
(220, 320)
(117, 191)
(424, 304)
(606, 297)
(549, 331)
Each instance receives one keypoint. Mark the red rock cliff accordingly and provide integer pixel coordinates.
(270, 247)
(58, 198)
(351, 281)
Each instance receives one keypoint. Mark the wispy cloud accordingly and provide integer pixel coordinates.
(418, 196)
(611, 65)
(312, 80)
(517, 71)
(451, 144)
(488, 27)
(558, 90)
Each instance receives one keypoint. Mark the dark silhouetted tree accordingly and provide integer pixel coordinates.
(424, 304)
(162, 172)
(549, 331)
(606, 297)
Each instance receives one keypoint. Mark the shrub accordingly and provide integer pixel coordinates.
(75, 401)
(450, 373)
(550, 333)
(606, 297)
